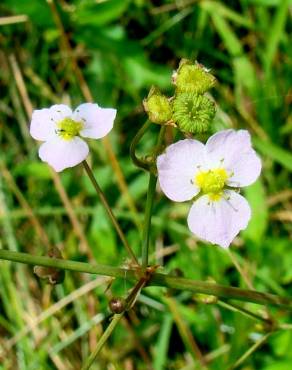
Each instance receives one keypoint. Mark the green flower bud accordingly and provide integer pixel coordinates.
(193, 112)
(192, 77)
(158, 107)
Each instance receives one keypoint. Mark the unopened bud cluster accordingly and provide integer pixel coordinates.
(190, 109)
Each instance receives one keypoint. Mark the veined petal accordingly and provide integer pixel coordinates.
(227, 146)
(232, 150)
(218, 222)
(98, 121)
(246, 170)
(177, 169)
(61, 154)
(43, 122)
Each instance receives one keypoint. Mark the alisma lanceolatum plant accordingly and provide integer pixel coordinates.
(207, 174)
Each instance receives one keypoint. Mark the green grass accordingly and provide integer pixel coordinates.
(115, 50)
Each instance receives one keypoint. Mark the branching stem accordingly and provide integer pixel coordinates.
(157, 279)
(130, 301)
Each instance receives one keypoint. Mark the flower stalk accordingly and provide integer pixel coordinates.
(147, 220)
(115, 320)
(138, 161)
(110, 212)
(149, 204)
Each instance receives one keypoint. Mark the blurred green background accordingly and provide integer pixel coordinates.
(113, 51)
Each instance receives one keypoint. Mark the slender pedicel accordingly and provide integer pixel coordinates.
(110, 212)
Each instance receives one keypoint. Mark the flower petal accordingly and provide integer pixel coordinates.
(232, 150)
(61, 154)
(98, 121)
(220, 221)
(226, 146)
(246, 170)
(177, 169)
(43, 122)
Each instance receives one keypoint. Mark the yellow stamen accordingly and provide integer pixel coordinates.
(212, 182)
(68, 128)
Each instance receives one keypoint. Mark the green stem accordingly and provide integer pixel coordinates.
(69, 265)
(220, 291)
(109, 211)
(137, 161)
(115, 320)
(149, 204)
(250, 351)
(236, 308)
(151, 185)
(157, 279)
(147, 220)
(130, 301)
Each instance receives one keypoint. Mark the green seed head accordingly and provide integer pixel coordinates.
(192, 77)
(158, 107)
(192, 112)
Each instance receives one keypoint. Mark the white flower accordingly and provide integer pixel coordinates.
(61, 129)
(211, 174)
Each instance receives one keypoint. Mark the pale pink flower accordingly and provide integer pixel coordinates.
(211, 176)
(61, 130)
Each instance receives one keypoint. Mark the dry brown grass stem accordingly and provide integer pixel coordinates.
(13, 19)
(185, 333)
(282, 196)
(24, 204)
(76, 294)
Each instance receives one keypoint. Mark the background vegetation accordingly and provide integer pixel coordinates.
(112, 52)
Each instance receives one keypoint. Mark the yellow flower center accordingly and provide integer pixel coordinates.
(68, 128)
(212, 182)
